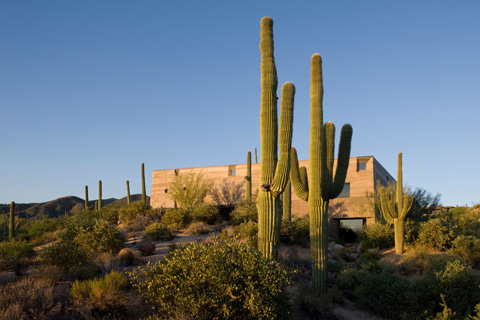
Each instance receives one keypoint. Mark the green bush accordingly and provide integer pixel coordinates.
(467, 248)
(296, 231)
(64, 254)
(136, 209)
(101, 296)
(312, 304)
(244, 211)
(435, 234)
(16, 256)
(206, 213)
(103, 237)
(34, 229)
(196, 228)
(177, 219)
(247, 232)
(110, 213)
(216, 280)
(378, 236)
(157, 231)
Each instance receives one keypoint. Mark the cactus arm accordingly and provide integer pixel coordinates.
(407, 205)
(287, 202)
(330, 146)
(304, 177)
(299, 186)
(385, 207)
(285, 139)
(342, 160)
(248, 178)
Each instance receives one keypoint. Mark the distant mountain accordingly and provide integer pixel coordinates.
(61, 206)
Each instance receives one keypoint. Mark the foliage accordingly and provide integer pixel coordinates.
(64, 254)
(189, 189)
(126, 257)
(216, 280)
(196, 228)
(206, 213)
(377, 236)
(463, 220)
(228, 193)
(101, 296)
(110, 213)
(146, 248)
(247, 232)
(102, 237)
(435, 234)
(16, 256)
(34, 229)
(467, 248)
(312, 304)
(296, 231)
(156, 231)
(244, 211)
(134, 210)
(423, 202)
(177, 219)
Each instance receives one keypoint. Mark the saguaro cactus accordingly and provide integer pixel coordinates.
(287, 202)
(11, 225)
(144, 190)
(256, 161)
(324, 184)
(86, 197)
(99, 204)
(395, 209)
(128, 192)
(248, 178)
(274, 171)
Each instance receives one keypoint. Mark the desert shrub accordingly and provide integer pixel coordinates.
(126, 257)
(103, 237)
(312, 304)
(296, 231)
(106, 262)
(348, 235)
(110, 213)
(177, 219)
(30, 298)
(16, 256)
(350, 278)
(129, 213)
(467, 248)
(411, 231)
(139, 224)
(84, 271)
(146, 248)
(101, 296)
(38, 229)
(369, 261)
(64, 254)
(476, 316)
(244, 211)
(435, 234)
(196, 228)
(206, 213)
(247, 232)
(157, 231)
(414, 261)
(378, 236)
(215, 280)
(335, 266)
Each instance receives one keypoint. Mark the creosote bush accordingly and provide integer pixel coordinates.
(177, 219)
(247, 232)
(102, 237)
(244, 211)
(157, 231)
(467, 248)
(16, 256)
(196, 228)
(378, 236)
(296, 231)
(65, 254)
(206, 213)
(215, 280)
(435, 234)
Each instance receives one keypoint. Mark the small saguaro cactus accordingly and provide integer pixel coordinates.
(287, 202)
(86, 197)
(324, 184)
(128, 192)
(395, 209)
(248, 178)
(144, 190)
(274, 169)
(99, 204)
(11, 226)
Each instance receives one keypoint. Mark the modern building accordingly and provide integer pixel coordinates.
(355, 201)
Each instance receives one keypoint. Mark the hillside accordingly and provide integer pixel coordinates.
(60, 206)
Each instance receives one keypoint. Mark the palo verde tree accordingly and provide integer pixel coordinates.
(274, 169)
(324, 184)
(395, 209)
(189, 189)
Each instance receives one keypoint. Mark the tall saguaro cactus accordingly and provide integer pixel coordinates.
(11, 225)
(99, 204)
(274, 169)
(128, 192)
(248, 178)
(86, 197)
(323, 184)
(395, 209)
(144, 190)
(256, 160)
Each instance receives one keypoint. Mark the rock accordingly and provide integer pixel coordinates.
(351, 257)
(359, 248)
(338, 246)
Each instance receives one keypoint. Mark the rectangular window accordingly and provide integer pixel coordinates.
(362, 163)
(345, 191)
(232, 170)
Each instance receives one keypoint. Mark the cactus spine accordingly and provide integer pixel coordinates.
(287, 202)
(11, 226)
(144, 190)
(274, 171)
(128, 193)
(324, 184)
(86, 197)
(395, 209)
(248, 178)
(99, 204)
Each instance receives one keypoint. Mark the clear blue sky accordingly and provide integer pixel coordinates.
(91, 89)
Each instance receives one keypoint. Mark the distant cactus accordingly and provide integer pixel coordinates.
(99, 204)
(395, 209)
(86, 197)
(144, 190)
(274, 170)
(322, 186)
(96, 206)
(248, 178)
(256, 161)
(128, 193)
(287, 202)
(11, 226)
